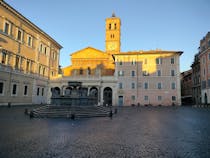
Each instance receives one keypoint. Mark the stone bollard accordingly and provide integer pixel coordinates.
(72, 116)
(115, 111)
(26, 111)
(9, 104)
(31, 114)
(110, 114)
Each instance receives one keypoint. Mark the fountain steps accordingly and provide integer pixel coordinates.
(63, 111)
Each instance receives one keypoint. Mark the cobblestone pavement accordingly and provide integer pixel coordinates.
(154, 132)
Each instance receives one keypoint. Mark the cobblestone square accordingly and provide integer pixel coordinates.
(154, 132)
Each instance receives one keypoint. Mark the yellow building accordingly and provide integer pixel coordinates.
(29, 58)
(93, 62)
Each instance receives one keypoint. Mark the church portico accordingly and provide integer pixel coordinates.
(102, 90)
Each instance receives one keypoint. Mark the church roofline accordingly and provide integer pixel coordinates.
(87, 48)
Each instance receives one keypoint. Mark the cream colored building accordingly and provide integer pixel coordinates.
(29, 58)
(148, 78)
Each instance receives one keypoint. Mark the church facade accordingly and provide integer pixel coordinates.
(123, 78)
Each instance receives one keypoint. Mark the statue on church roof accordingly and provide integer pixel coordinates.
(113, 14)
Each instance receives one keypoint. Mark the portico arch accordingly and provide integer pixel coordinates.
(68, 91)
(107, 96)
(55, 91)
(93, 92)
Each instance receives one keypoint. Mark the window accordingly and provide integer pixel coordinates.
(52, 73)
(159, 73)
(132, 85)
(54, 55)
(1, 88)
(29, 41)
(173, 85)
(120, 63)
(120, 85)
(25, 93)
(28, 66)
(7, 28)
(37, 92)
(14, 89)
(133, 62)
(40, 67)
(203, 85)
(146, 85)
(172, 72)
(42, 91)
(159, 85)
(43, 71)
(146, 98)
(209, 43)
(19, 35)
(110, 26)
(159, 98)
(172, 60)
(120, 73)
(132, 73)
(112, 35)
(208, 82)
(158, 61)
(45, 50)
(173, 98)
(17, 62)
(40, 47)
(133, 97)
(115, 26)
(4, 57)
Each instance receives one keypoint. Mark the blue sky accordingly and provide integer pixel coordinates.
(146, 24)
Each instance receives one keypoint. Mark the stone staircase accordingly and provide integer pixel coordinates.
(64, 111)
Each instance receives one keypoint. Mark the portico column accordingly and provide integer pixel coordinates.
(88, 91)
(102, 99)
(99, 94)
(62, 90)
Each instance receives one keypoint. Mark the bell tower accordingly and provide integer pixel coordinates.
(112, 40)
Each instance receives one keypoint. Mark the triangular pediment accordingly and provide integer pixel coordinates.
(89, 53)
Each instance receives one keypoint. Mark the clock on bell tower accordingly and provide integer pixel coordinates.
(112, 40)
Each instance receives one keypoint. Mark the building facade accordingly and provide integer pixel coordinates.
(204, 56)
(148, 78)
(29, 58)
(186, 87)
(196, 84)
